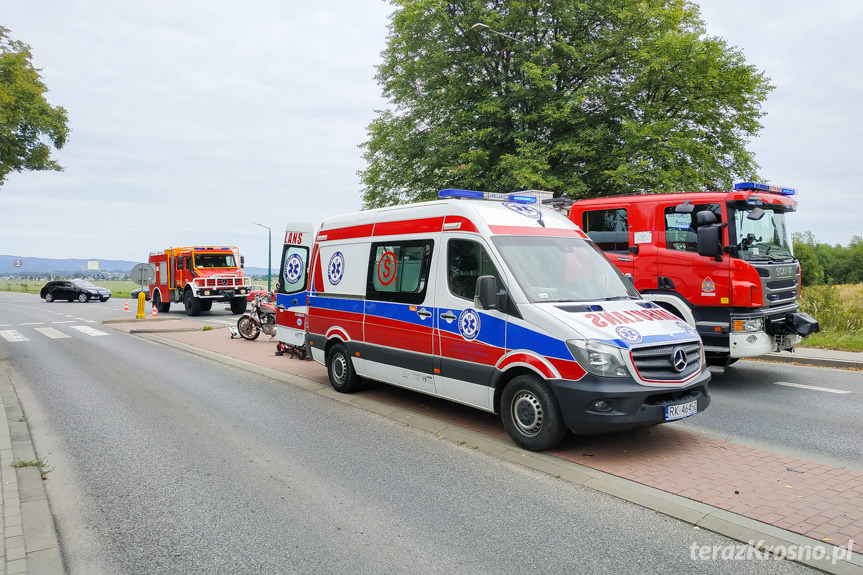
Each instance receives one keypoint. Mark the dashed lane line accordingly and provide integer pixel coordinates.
(812, 387)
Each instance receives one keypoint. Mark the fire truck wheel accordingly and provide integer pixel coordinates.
(238, 305)
(206, 304)
(161, 307)
(343, 378)
(193, 304)
(530, 413)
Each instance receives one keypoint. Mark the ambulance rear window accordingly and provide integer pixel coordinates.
(398, 271)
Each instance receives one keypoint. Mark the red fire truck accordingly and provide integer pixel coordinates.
(198, 276)
(720, 260)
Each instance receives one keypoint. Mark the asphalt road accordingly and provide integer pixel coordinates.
(167, 462)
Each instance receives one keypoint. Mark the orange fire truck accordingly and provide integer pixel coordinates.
(720, 260)
(198, 276)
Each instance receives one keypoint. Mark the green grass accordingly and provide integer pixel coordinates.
(839, 311)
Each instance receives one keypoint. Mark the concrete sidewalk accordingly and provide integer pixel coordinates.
(744, 493)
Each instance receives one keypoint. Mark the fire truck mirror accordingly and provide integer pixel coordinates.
(242, 261)
(755, 214)
(708, 241)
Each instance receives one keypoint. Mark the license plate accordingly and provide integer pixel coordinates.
(673, 412)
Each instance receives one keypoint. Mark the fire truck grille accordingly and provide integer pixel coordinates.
(668, 362)
(224, 283)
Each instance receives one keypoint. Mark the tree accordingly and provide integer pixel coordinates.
(805, 251)
(27, 122)
(582, 98)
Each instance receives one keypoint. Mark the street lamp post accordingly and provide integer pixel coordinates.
(269, 254)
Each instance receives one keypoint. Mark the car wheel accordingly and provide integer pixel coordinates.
(340, 370)
(83, 298)
(530, 413)
(49, 297)
(103, 299)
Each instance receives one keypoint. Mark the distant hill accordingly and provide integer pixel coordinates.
(72, 265)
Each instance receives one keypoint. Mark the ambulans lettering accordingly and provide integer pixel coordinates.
(294, 238)
(605, 319)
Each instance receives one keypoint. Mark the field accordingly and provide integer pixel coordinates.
(839, 310)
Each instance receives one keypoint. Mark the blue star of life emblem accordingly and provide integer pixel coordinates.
(336, 268)
(524, 210)
(293, 268)
(468, 324)
(628, 334)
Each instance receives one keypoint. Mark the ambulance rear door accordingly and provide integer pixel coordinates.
(292, 287)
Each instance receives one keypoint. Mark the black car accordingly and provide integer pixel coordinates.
(72, 290)
(144, 290)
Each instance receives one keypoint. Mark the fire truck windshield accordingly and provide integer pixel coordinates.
(761, 234)
(214, 261)
(551, 269)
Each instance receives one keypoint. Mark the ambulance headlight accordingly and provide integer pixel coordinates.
(598, 358)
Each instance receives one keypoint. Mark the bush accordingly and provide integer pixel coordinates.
(837, 308)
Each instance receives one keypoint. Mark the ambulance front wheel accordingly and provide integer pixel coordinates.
(343, 378)
(530, 413)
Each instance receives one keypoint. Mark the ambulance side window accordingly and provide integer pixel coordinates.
(398, 271)
(466, 261)
(680, 227)
(609, 229)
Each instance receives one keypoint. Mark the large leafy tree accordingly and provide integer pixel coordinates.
(29, 126)
(581, 97)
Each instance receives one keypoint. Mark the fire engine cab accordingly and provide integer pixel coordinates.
(500, 305)
(197, 276)
(720, 260)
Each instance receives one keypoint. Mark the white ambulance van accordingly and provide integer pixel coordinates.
(503, 306)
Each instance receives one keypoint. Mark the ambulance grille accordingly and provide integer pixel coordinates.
(658, 363)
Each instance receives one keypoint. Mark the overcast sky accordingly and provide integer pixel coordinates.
(191, 119)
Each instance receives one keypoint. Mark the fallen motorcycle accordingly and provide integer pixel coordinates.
(261, 318)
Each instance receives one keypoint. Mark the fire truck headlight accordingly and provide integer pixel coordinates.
(747, 324)
(598, 358)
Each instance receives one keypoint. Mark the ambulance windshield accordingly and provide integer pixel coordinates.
(761, 234)
(558, 269)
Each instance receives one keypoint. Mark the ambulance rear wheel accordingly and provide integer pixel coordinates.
(343, 378)
(530, 413)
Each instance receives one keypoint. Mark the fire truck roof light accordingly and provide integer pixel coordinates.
(759, 187)
(473, 194)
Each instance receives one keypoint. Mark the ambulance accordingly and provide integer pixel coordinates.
(494, 302)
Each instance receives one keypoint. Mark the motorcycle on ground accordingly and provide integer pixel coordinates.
(261, 318)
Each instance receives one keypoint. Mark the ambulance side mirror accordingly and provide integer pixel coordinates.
(487, 295)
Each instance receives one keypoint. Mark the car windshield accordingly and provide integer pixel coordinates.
(214, 261)
(83, 284)
(558, 269)
(761, 234)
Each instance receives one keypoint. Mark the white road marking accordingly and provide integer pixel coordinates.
(64, 321)
(11, 335)
(51, 332)
(812, 387)
(88, 330)
(34, 323)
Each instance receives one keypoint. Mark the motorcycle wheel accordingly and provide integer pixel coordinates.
(248, 328)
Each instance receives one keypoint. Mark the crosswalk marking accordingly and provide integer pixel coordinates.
(51, 332)
(12, 335)
(88, 330)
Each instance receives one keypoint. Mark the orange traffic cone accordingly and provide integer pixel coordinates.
(126, 305)
(154, 314)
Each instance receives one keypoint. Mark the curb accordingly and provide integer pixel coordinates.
(793, 358)
(31, 543)
(698, 514)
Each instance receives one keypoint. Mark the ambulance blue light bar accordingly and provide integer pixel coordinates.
(476, 195)
(758, 187)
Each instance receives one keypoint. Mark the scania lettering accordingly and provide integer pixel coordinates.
(197, 276)
(500, 305)
(722, 261)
